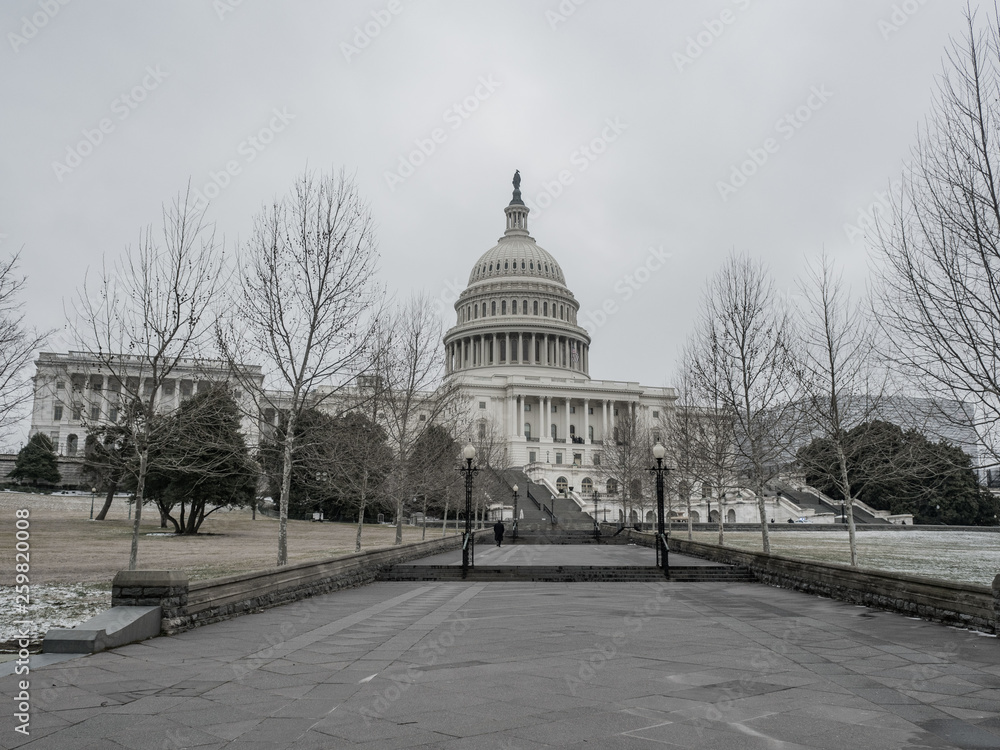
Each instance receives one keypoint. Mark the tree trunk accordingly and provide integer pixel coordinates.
(848, 495)
(286, 489)
(444, 525)
(107, 502)
(762, 509)
(423, 534)
(721, 509)
(690, 522)
(139, 489)
(361, 510)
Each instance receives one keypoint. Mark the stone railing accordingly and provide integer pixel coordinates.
(964, 605)
(186, 605)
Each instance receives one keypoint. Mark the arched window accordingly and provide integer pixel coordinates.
(535, 306)
(562, 312)
(527, 430)
(731, 516)
(522, 265)
(572, 430)
(476, 311)
(713, 517)
(513, 307)
(695, 518)
(493, 308)
(555, 432)
(611, 487)
(561, 484)
(545, 309)
(524, 307)
(505, 265)
(72, 445)
(650, 517)
(491, 266)
(587, 486)
(503, 307)
(590, 433)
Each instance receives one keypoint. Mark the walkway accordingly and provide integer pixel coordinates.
(610, 555)
(523, 665)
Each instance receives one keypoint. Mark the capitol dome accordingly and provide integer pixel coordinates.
(517, 310)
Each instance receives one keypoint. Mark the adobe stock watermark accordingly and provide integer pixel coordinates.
(33, 24)
(428, 655)
(868, 216)
(250, 148)
(712, 29)
(455, 117)
(122, 107)
(581, 157)
(900, 16)
(562, 12)
(625, 288)
(787, 127)
(366, 33)
(600, 654)
(223, 8)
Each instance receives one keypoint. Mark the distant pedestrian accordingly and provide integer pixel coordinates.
(498, 530)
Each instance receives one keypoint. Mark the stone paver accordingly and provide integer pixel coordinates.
(529, 665)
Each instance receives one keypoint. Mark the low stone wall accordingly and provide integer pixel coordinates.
(964, 605)
(187, 605)
(860, 527)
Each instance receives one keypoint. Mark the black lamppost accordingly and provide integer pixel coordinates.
(514, 530)
(469, 453)
(662, 552)
(93, 494)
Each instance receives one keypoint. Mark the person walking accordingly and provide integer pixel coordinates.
(498, 529)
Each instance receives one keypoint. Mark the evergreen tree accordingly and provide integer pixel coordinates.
(36, 462)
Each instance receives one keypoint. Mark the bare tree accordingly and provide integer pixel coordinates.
(841, 386)
(742, 357)
(938, 270)
(625, 462)
(145, 315)
(17, 344)
(410, 373)
(304, 305)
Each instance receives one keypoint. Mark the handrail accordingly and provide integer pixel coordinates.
(465, 544)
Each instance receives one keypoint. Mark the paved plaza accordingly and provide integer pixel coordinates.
(531, 665)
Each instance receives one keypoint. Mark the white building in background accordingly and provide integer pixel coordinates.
(523, 363)
(73, 391)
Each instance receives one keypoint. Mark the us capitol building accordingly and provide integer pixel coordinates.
(523, 363)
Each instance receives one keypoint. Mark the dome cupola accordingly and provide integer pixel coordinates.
(517, 309)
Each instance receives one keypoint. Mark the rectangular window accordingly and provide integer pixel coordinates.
(168, 387)
(572, 410)
(482, 430)
(597, 459)
(559, 458)
(204, 385)
(113, 413)
(590, 410)
(656, 414)
(577, 459)
(57, 413)
(186, 386)
(237, 394)
(482, 404)
(95, 412)
(96, 383)
(114, 385)
(555, 409)
(132, 384)
(527, 407)
(616, 412)
(423, 417)
(77, 413)
(60, 385)
(532, 457)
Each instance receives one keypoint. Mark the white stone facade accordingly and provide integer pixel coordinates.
(73, 391)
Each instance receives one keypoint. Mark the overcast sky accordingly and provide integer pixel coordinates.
(634, 126)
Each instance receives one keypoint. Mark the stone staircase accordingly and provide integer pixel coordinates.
(572, 525)
(568, 573)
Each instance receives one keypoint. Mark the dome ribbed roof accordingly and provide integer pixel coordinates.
(516, 256)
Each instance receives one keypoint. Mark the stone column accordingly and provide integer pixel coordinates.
(568, 440)
(586, 421)
(520, 416)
